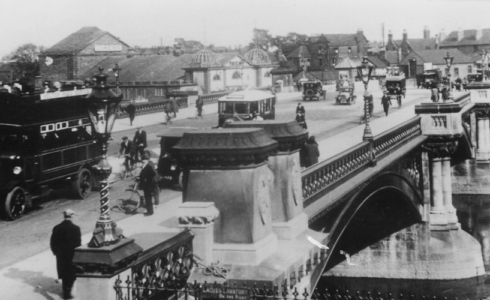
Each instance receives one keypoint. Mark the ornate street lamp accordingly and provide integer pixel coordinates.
(108, 249)
(449, 61)
(364, 72)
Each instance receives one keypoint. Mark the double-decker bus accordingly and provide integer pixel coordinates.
(44, 139)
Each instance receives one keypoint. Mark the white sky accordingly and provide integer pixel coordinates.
(230, 22)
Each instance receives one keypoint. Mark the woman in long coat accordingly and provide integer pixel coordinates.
(311, 152)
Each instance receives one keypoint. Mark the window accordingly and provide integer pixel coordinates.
(216, 77)
(268, 105)
(234, 63)
(158, 92)
(236, 75)
(470, 69)
(267, 74)
(226, 108)
(241, 108)
(456, 72)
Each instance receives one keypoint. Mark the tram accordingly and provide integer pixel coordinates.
(44, 138)
(243, 105)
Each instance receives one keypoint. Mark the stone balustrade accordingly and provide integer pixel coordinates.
(212, 98)
(151, 107)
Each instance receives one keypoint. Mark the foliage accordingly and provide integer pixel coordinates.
(266, 41)
(26, 59)
(262, 39)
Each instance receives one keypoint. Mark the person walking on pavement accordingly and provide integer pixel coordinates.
(199, 105)
(65, 238)
(300, 109)
(131, 109)
(149, 179)
(445, 93)
(435, 92)
(386, 102)
(139, 141)
(311, 153)
(300, 118)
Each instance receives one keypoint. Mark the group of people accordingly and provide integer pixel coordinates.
(169, 109)
(439, 89)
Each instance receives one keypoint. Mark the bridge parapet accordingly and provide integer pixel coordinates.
(444, 118)
(321, 178)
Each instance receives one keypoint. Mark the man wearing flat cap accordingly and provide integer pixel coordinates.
(149, 179)
(65, 238)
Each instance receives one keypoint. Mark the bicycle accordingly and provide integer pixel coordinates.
(168, 119)
(123, 172)
(131, 199)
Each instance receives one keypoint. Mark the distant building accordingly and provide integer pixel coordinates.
(470, 41)
(406, 45)
(230, 71)
(323, 52)
(80, 51)
(462, 64)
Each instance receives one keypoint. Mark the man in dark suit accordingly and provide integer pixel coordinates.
(149, 179)
(127, 149)
(131, 110)
(65, 238)
(300, 109)
(139, 141)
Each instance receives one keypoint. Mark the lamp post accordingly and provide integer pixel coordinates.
(449, 61)
(364, 72)
(484, 65)
(108, 250)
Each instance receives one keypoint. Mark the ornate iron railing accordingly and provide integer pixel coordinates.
(319, 178)
(162, 267)
(389, 139)
(212, 98)
(151, 107)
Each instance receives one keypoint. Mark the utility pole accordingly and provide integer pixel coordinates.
(383, 33)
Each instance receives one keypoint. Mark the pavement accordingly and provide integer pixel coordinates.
(35, 277)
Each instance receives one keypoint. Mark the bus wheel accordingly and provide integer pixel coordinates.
(15, 203)
(82, 184)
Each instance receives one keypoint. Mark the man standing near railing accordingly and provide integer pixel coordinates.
(199, 105)
(131, 110)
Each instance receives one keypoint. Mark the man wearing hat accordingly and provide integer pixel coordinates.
(127, 149)
(131, 110)
(149, 179)
(386, 102)
(65, 238)
(139, 141)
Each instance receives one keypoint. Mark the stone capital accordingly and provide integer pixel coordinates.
(482, 113)
(440, 148)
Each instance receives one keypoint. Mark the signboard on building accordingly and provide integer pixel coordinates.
(108, 48)
(428, 66)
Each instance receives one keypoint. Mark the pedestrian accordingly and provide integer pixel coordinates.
(386, 102)
(311, 153)
(300, 118)
(435, 92)
(298, 84)
(300, 109)
(199, 105)
(445, 93)
(149, 179)
(65, 238)
(139, 141)
(131, 110)
(128, 151)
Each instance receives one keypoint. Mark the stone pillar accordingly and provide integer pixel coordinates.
(207, 81)
(438, 216)
(199, 218)
(447, 191)
(483, 136)
(442, 210)
(288, 217)
(229, 167)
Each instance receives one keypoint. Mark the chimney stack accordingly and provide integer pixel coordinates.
(460, 34)
(437, 42)
(404, 35)
(426, 33)
(390, 37)
(479, 33)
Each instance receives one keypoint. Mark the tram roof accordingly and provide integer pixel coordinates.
(17, 110)
(248, 95)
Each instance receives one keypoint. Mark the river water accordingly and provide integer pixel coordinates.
(474, 216)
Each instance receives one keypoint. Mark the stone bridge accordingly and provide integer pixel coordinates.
(382, 207)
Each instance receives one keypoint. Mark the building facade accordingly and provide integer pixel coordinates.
(80, 51)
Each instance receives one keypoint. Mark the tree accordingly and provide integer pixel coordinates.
(26, 59)
(262, 39)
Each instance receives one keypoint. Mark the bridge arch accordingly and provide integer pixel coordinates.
(387, 204)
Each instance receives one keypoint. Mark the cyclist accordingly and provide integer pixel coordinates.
(139, 141)
(128, 151)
